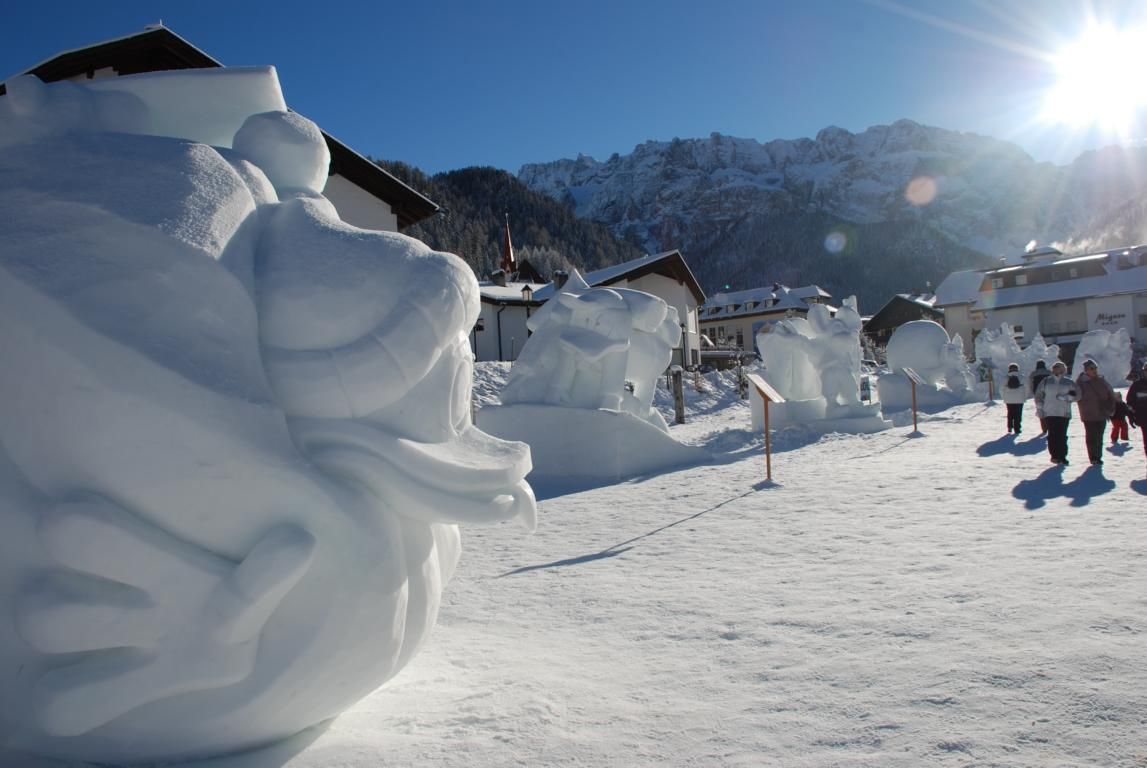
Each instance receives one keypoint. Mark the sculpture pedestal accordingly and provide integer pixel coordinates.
(580, 447)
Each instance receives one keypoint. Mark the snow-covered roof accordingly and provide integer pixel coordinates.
(961, 287)
(492, 292)
(1114, 281)
(669, 262)
(923, 299)
(158, 48)
(759, 301)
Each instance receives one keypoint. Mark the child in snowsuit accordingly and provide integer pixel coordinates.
(1014, 394)
(1119, 420)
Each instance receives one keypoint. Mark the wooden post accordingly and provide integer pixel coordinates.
(768, 394)
(913, 379)
(915, 428)
(768, 446)
(678, 395)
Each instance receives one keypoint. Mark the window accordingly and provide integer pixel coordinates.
(997, 282)
(1021, 279)
(1018, 331)
(1143, 321)
(1073, 272)
(741, 338)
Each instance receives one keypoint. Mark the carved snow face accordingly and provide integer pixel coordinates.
(234, 437)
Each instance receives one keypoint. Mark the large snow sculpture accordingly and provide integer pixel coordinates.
(234, 431)
(581, 392)
(924, 346)
(814, 363)
(1111, 350)
(999, 349)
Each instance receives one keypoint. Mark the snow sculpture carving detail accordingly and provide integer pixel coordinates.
(1111, 350)
(924, 346)
(596, 348)
(999, 349)
(235, 434)
(581, 392)
(814, 362)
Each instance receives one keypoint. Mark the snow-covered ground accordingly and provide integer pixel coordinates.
(893, 600)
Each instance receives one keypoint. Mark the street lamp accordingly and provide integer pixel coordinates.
(527, 293)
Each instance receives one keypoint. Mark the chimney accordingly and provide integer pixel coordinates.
(499, 277)
(560, 277)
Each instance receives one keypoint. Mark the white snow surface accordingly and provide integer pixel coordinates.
(948, 599)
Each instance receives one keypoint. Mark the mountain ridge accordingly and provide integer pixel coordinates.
(955, 200)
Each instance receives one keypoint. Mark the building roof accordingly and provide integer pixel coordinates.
(925, 302)
(759, 301)
(510, 293)
(157, 49)
(1112, 283)
(670, 264)
(961, 287)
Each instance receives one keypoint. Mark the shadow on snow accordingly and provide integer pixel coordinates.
(628, 544)
(1010, 444)
(1049, 485)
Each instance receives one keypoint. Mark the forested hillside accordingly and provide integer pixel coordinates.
(475, 202)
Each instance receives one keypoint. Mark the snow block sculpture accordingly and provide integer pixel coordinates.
(814, 363)
(581, 392)
(999, 349)
(234, 430)
(924, 346)
(1111, 351)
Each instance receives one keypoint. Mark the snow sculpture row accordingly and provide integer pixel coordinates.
(814, 363)
(581, 392)
(234, 430)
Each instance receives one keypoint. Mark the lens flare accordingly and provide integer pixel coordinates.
(835, 242)
(921, 191)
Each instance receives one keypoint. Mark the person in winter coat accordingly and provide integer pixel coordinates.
(1053, 402)
(1014, 394)
(1137, 405)
(1034, 378)
(1119, 420)
(1096, 404)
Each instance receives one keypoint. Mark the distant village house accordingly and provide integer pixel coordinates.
(1059, 297)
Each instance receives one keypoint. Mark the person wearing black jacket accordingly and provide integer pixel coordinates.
(1137, 405)
(1034, 378)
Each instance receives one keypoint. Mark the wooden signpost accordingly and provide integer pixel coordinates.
(915, 379)
(768, 394)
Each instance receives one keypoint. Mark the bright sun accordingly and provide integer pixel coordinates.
(1100, 79)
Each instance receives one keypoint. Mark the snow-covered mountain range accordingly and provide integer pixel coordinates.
(925, 199)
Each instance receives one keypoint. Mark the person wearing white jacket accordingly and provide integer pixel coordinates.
(1053, 399)
(1014, 393)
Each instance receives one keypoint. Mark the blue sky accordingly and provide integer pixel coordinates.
(447, 84)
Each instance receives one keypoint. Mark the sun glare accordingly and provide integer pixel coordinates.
(1099, 80)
